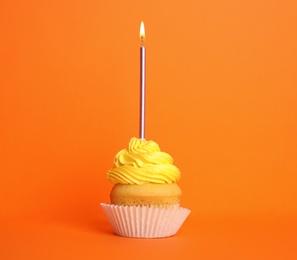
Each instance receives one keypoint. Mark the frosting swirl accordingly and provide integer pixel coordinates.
(143, 162)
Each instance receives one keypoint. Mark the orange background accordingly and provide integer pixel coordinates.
(221, 99)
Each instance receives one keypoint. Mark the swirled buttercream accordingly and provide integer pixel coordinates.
(143, 162)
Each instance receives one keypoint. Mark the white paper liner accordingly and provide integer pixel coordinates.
(145, 221)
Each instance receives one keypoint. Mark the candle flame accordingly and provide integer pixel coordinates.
(142, 32)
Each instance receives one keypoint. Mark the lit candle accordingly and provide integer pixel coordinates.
(142, 82)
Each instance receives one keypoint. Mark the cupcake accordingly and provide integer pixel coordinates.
(145, 198)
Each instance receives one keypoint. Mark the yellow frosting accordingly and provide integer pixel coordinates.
(143, 162)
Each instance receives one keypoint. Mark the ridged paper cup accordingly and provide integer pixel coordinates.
(145, 221)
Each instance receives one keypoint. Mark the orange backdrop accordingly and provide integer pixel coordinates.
(221, 99)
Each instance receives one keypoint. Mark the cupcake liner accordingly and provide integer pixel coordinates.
(145, 221)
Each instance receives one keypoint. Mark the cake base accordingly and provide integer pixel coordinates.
(145, 194)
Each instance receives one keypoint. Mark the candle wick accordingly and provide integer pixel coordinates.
(142, 41)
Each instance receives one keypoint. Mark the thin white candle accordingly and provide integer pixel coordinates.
(142, 82)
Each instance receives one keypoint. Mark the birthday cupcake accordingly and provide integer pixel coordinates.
(145, 198)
